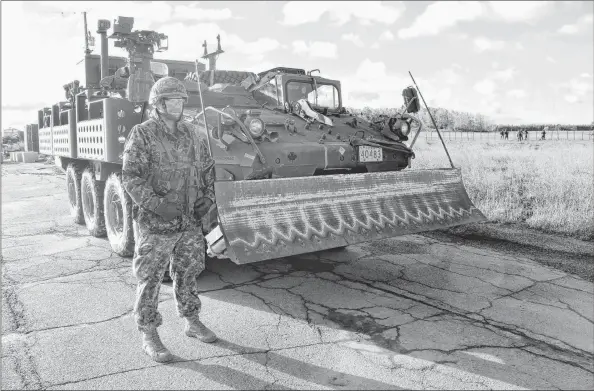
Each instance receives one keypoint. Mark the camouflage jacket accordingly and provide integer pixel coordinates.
(163, 166)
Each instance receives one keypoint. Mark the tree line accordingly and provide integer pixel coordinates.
(461, 121)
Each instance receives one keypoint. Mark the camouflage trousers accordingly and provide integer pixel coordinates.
(184, 252)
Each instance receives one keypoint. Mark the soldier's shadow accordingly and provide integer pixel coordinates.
(275, 362)
(223, 374)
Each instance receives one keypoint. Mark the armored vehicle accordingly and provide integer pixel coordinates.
(295, 171)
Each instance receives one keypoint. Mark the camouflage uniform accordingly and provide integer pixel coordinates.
(164, 166)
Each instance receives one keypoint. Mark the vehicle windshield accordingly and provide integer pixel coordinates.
(326, 95)
(269, 93)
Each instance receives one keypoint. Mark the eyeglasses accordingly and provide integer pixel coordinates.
(174, 103)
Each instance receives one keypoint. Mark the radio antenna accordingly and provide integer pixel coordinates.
(202, 103)
(87, 50)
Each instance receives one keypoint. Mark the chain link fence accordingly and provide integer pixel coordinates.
(572, 135)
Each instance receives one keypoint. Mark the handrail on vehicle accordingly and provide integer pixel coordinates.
(419, 122)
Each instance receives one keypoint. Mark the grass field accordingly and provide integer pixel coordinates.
(547, 186)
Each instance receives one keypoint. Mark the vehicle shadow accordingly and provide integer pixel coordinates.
(480, 359)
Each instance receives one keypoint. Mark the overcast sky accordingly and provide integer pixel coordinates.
(516, 62)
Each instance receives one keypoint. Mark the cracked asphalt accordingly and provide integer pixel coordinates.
(413, 312)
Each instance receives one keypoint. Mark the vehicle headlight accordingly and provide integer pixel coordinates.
(405, 128)
(256, 127)
(226, 120)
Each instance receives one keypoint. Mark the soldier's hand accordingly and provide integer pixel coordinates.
(168, 210)
(202, 206)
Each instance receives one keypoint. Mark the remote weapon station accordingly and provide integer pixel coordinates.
(295, 172)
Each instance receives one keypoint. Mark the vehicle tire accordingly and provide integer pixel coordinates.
(117, 206)
(73, 174)
(91, 191)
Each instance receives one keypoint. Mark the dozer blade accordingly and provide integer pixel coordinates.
(273, 218)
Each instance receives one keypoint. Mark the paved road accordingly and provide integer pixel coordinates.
(412, 312)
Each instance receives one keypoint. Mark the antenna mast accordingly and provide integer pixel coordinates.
(87, 50)
(212, 57)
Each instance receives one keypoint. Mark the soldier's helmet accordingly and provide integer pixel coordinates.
(167, 87)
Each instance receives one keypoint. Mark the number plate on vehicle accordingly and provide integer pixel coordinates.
(370, 154)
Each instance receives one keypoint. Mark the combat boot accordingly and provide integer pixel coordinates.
(196, 329)
(152, 346)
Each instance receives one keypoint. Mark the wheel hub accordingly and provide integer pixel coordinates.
(71, 192)
(88, 196)
(115, 214)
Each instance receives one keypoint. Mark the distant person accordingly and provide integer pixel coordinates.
(502, 134)
(507, 134)
(520, 135)
(544, 134)
(526, 134)
(119, 80)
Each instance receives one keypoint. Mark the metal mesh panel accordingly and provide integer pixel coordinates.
(45, 141)
(64, 136)
(61, 140)
(32, 138)
(91, 139)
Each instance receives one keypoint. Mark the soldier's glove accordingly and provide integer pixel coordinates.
(201, 206)
(168, 210)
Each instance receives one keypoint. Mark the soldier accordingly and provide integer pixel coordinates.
(118, 80)
(169, 174)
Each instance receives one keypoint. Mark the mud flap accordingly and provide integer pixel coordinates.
(265, 219)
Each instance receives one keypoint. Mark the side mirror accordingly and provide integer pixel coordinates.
(91, 41)
(162, 43)
(411, 100)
